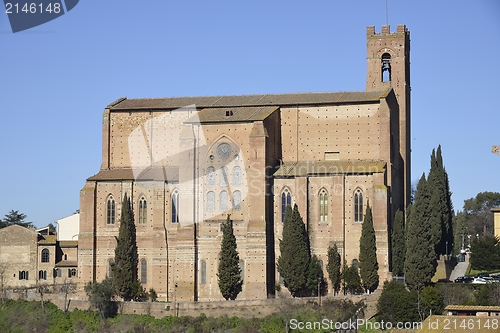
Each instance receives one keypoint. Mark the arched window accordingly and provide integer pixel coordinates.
(211, 175)
(144, 271)
(42, 275)
(223, 201)
(111, 263)
(386, 67)
(237, 200)
(286, 200)
(45, 255)
(143, 210)
(175, 207)
(110, 210)
(203, 278)
(73, 272)
(223, 176)
(236, 176)
(242, 269)
(210, 201)
(358, 206)
(323, 206)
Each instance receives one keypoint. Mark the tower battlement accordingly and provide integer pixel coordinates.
(386, 30)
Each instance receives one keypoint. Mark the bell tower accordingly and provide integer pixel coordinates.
(388, 66)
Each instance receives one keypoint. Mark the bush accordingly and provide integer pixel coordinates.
(396, 304)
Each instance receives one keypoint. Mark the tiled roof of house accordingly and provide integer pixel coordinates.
(478, 308)
(67, 263)
(235, 114)
(249, 100)
(48, 239)
(169, 173)
(304, 168)
(66, 244)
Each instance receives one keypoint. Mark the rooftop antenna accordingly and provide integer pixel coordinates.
(386, 13)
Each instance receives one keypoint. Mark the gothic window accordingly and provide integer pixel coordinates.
(45, 255)
(237, 200)
(323, 206)
(210, 201)
(175, 207)
(23, 275)
(144, 271)
(211, 176)
(236, 176)
(286, 200)
(223, 176)
(203, 273)
(223, 201)
(386, 67)
(143, 211)
(42, 275)
(321, 264)
(110, 210)
(358, 206)
(242, 268)
(111, 263)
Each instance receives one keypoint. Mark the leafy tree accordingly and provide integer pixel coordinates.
(478, 213)
(352, 281)
(420, 263)
(100, 296)
(460, 232)
(396, 304)
(126, 257)
(315, 274)
(14, 217)
(398, 245)
(368, 265)
(432, 301)
(229, 272)
(295, 256)
(333, 268)
(485, 253)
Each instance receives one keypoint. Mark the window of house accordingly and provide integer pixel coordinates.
(143, 210)
(59, 272)
(73, 272)
(111, 263)
(42, 275)
(144, 271)
(242, 268)
(223, 176)
(237, 200)
(355, 263)
(236, 176)
(211, 175)
(175, 207)
(110, 210)
(203, 277)
(210, 201)
(223, 201)
(45, 255)
(323, 206)
(358, 206)
(286, 200)
(23, 275)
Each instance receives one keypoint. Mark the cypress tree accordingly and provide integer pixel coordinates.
(420, 263)
(293, 262)
(333, 268)
(315, 273)
(398, 245)
(368, 265)
(126, 257)
(229, 271)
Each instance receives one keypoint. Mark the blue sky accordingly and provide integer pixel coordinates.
(57, 78)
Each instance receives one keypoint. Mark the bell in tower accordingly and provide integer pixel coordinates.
(386, 67)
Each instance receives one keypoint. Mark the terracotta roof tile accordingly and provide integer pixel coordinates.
(238, 114)
(249, 100)
(303, 168)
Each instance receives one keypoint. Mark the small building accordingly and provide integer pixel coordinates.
(473, 310)
(496, 221)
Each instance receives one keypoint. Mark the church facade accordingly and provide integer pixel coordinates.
(188, 162)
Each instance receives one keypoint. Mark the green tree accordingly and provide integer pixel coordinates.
(333, 268)
(295, 255)
(14, 217)
(441, 208)
(126, 257)
(485, 253)
(229, 272)
(368, 265)
(396, 304)
(420, 263)
(315, 276)
(352, 281)
(100, 297)
(398, 245)
(432, 301)
(478, 213)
